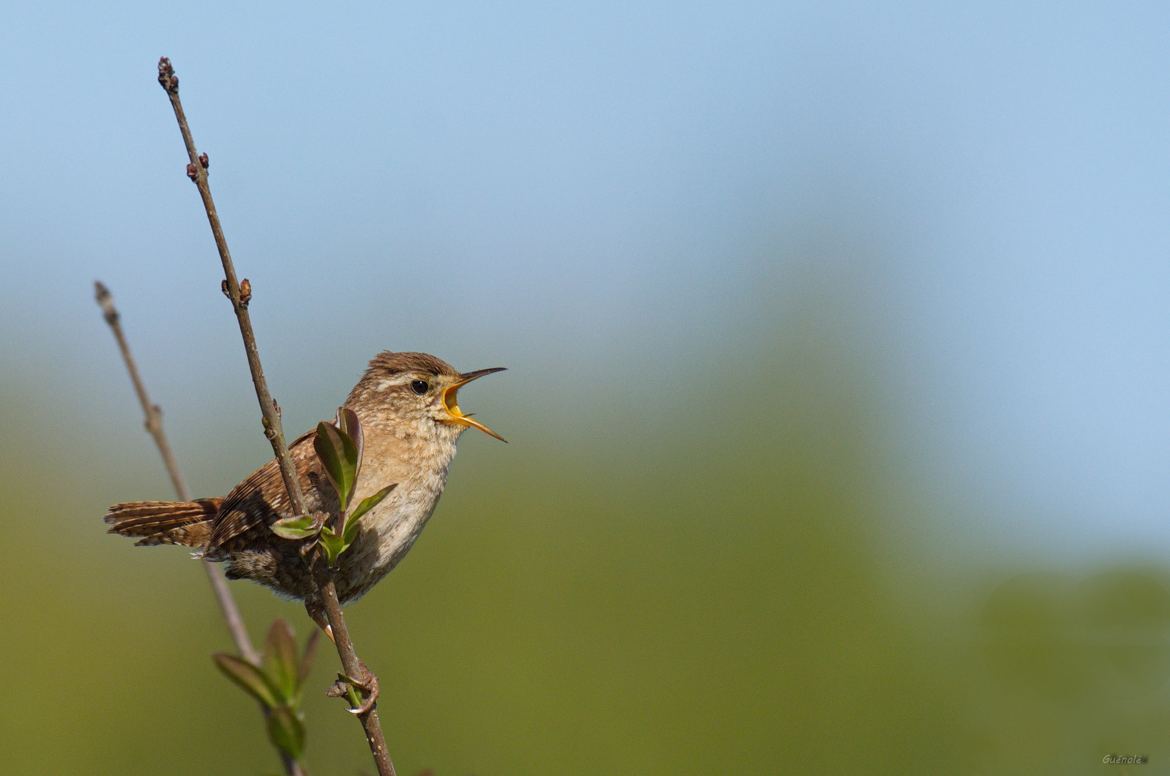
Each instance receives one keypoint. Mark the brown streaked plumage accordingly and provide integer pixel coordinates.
(410, 435)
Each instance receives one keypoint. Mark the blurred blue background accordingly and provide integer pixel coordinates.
(837, 391)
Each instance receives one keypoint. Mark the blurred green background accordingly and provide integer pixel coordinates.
(838, 365)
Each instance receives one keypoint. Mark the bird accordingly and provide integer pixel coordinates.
(407, 404)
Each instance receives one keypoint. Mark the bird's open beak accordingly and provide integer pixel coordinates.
(451, 401)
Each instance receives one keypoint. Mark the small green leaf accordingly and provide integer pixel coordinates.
(348, 422)
(287, 731)
(338, 455)
(333, 545)
(250, 678)
(280, 661)
(299, 527)
(351, 527)
(351, 695)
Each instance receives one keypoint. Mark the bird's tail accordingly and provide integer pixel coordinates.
(165, 522)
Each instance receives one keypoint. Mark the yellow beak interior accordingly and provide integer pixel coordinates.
(451, 402)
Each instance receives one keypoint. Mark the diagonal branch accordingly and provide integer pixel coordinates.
(153, 413)
(227, 604)
(327, 590)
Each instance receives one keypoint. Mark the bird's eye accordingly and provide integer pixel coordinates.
(420, 386)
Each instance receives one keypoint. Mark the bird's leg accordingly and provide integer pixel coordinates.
(347, 686)
(316, 613)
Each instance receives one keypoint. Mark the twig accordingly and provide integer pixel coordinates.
(326, 589)
(227, 603)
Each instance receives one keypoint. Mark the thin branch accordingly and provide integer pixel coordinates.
(326, 589)
(227, 604)
(154, 426)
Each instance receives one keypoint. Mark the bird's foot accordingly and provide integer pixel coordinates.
(349, 687)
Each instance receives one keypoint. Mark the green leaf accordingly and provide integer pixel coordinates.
(348, 422)
(280, 661)
(250, 678)
(287, 731)
(351, 527)
(338, 455)
(333, 545)
(351, 695)
(299, 527)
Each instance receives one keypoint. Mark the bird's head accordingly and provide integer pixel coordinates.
(416, 389)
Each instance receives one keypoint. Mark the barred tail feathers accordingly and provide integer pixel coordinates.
(165, 522)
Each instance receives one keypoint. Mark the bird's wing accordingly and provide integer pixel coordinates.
(261, 499)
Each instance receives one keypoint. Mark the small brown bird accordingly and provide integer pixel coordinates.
(411, 420)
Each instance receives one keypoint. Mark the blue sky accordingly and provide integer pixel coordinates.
(592, 192)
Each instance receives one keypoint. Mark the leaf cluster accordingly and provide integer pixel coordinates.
(275, 683)
(339, 447)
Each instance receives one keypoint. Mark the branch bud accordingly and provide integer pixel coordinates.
(166, 76)
(106, 301)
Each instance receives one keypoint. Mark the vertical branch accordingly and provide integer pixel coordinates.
(153, 413)
(240, 295)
